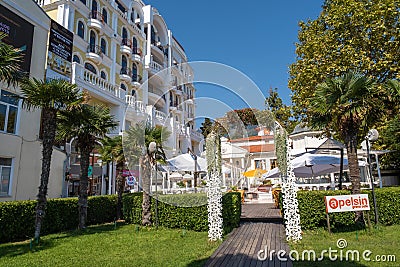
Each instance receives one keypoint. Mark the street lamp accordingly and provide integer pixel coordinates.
(372, 136)
(194, 156)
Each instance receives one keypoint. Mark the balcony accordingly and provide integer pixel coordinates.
(136, 80)
(94, 53)
(136, 106)
(126, 46)
(155, 67)
(96, 20)
(125, 74)
(160, 116)
(94, 84)
(137, 54)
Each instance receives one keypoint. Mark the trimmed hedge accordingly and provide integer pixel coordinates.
(17, 218)
(191, 218)
(313, 215)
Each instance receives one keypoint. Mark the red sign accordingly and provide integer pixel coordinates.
(346, 203)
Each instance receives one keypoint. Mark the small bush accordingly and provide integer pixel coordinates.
(313, 215)
(17, 218)
(193, 217)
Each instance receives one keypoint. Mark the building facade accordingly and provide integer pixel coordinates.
(26, 26)
(124, 57)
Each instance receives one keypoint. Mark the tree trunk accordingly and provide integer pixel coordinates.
(146, 204)
(120, 186)
(49, 131)
(85, 149)
(355, 176)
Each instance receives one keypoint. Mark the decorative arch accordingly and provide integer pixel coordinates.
(161, 28)
(90, 67)
(76, 57)
(104, 13)
(81, 28)
(104, 46)
(104, 74)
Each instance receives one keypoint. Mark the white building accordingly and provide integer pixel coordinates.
(125, 57)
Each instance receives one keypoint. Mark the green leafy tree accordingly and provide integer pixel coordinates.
(136, 147)
(281, 112)
(51, 96)
(347, 105)
(206, 127)
(87, 124)
(10, 63)
(353, 35)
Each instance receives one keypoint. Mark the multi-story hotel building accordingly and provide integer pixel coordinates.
(125, 57)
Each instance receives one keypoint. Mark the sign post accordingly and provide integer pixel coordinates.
(342, 203)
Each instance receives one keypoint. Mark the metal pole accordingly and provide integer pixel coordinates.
(379, 170)
(155, 169)
(372, 180)
(341, 169)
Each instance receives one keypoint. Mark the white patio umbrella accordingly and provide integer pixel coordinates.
(185, 162)
(311, 165)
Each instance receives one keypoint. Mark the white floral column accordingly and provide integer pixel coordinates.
(291, 213)
(214, 194)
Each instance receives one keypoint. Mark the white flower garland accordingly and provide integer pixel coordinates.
(289, 191)
(214, 194)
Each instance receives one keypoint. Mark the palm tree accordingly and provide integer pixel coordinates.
(51, 96)
(136, 146)
(112, 151)
(10, 63)
(347, 105)
(87, 124)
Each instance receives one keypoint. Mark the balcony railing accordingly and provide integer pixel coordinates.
(138, 106)
(80, 74)
(136, 51)
(94, 14)
(155, 66)
(96, 49)
(126, 42)
(161, 116)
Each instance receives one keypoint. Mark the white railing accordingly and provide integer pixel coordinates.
(135, 28)
(155, 66)
(80, 73)
(161, 116)
(138, 106)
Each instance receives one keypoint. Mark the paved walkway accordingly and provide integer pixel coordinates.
(251, 244)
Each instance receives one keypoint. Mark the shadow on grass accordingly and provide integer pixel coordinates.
(46, 242)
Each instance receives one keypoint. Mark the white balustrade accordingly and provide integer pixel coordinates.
(161, 116)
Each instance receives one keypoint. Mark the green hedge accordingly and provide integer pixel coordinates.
(313, 215)
(188, 217)
(17, 218)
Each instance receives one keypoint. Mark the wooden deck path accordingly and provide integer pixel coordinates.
(243, 245)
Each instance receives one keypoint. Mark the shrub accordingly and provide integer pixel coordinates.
(193, 217)
(312, 208)
(17, 218)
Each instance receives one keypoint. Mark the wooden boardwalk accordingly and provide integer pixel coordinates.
(253, 243)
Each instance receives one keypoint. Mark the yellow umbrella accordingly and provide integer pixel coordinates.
(254, 173)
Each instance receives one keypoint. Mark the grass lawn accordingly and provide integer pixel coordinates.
(127, 245)
(381, 241)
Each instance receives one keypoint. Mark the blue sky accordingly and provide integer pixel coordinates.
(255, 37)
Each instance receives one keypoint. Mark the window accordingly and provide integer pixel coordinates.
(90, 68)
(5, 175)
(94, 5)
(76, 59)
(123, 87)
(133, 92)
(8, 112)
(105, 16)
(103, 75)
(134, 73)
(124, 34)
(84, 2)
(103, 46)
(124, 64)
(92, 42)
(81, 29)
